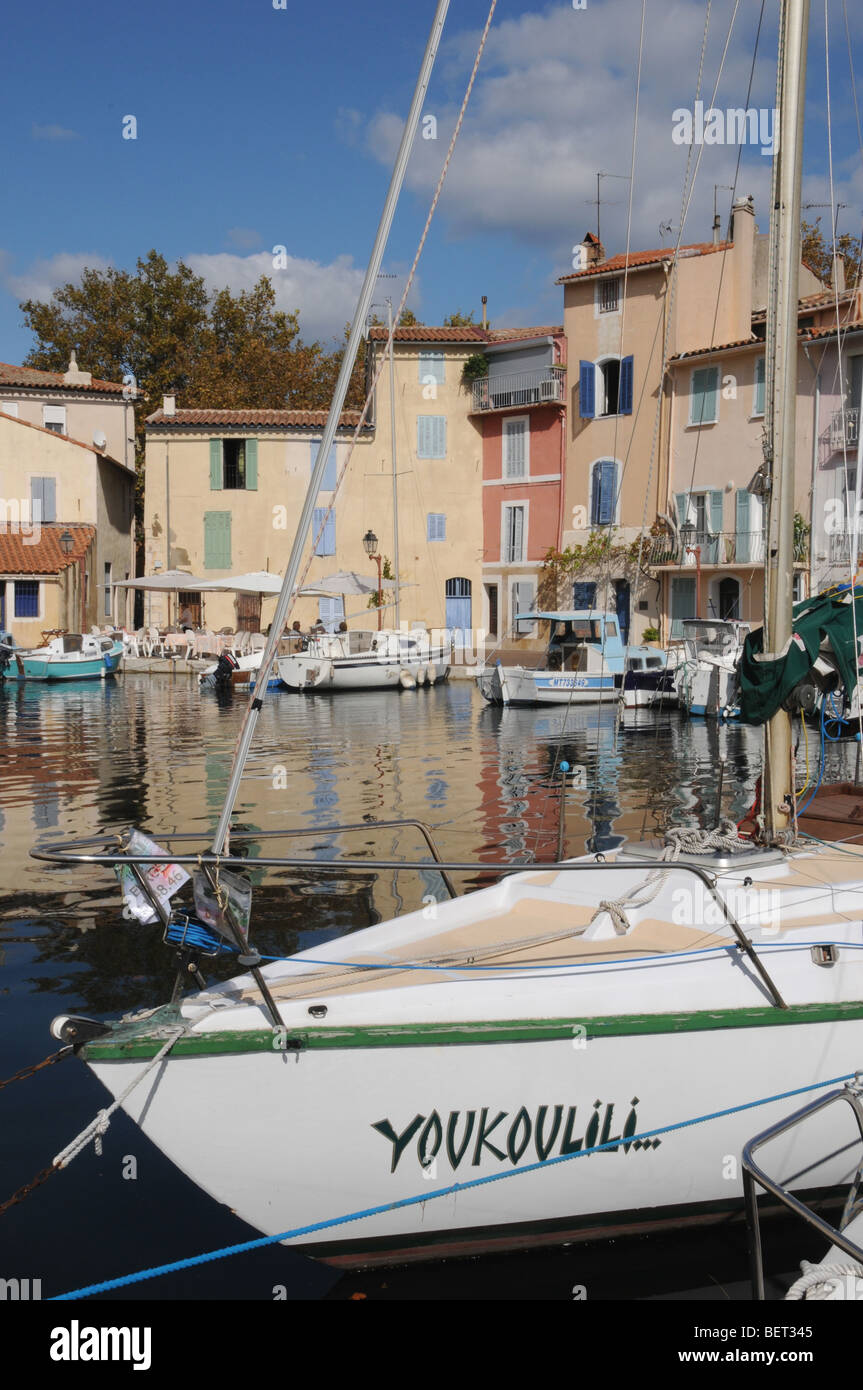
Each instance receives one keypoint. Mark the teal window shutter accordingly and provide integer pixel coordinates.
(705, 381)
(217, 540)
(681, 501)
(743, 539)
(714, 548)
(758, 403)
(682, 602)
(252, 465)
(215, 465)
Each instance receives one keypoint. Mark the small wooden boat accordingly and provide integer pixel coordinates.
(72, 657)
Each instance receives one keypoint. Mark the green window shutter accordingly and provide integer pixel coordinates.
(743, 539)
(215, 465)
(217, 540)
(705, 381)
(681, 501)
(758, 404)
(715, 548)
(252, 465)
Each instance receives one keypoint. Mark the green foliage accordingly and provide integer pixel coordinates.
(386, 573)
(817, 252)
(650, 634)
(474, 368)
(460, 320)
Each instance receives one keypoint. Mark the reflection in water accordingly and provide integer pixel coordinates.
(155, 752)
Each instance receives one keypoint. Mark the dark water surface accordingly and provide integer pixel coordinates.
(154, 752)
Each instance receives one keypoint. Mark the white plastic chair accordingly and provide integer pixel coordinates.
(257, 642)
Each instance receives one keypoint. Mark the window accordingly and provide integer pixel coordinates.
(605, 388)
(512, 538)
(217, 540)
(436, 526)
(602, 493)
(43, 499)
(432, 367)
(583, 594)
(703, 511)
(326, 544)
(431, 436)
(328, 481)
(26, 598)
(729, 599)
(9, 408)
(521, 599)
(609, 387)
(609, 296)
(704, 395)
(108, 605)
(191, 599)
(491, 593)
(233, 464)
(516, 439)
(758, 398)
(54, 418)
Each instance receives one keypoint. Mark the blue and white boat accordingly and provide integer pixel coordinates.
(72, 657)
(585, 662)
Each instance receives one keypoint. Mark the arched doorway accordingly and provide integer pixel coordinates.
(729, 598)
(458, 610)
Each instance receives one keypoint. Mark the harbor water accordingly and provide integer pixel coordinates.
(155, 752)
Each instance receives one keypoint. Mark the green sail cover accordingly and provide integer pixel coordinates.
(766, 684)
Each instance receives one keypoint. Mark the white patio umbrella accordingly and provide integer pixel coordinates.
(259, 582)
(346, 583)
(164, 582)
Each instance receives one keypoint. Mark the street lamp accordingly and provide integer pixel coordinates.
(67, 541)
(370, 545)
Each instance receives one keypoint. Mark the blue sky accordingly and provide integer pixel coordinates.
(259, 127)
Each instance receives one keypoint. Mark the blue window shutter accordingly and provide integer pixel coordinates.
(317, 523)
(433, 365)
(49, 499)
(327, 543)
(603, 493)
(758, 404)
(586, 390)
(626, 386)
(743, 539)
(436, 526)
(215, 465)
(431, 436)
(330, 535)
(37, 501)
(217, 540)
(328, 481)
(252, 465)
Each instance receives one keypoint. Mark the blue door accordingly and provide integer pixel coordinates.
(458, 614)
(621, 604)
(331, 612)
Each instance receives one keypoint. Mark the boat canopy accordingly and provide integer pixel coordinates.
(827, 620)
(568, 615)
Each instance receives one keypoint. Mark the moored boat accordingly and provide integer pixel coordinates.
(71, 657)
(365, 660)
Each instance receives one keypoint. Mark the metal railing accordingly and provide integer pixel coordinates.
(518, 388)
(844, 428)
(716, 548)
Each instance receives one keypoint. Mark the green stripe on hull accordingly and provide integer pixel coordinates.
(129, 1045)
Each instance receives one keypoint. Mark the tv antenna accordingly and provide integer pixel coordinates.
(603, 174)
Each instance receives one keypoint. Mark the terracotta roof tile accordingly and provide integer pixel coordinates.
(422, 333)
(11, 375)
(514, 335)
(813, 333)
(720, 347)
(637, 260)
(284, 419)
(18, 556)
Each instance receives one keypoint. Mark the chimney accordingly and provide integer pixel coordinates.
(838, 282)
(594, 249)
(73, 376)
(485, 311)
(169, 405)
(717, 222)
(742, 205)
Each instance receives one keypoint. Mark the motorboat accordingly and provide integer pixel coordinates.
(73, 656)
(706, 678)
(361, 659)
(585, 662)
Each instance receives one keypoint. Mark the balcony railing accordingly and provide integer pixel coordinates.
(844, 429)
(719, 548)
(542, 387)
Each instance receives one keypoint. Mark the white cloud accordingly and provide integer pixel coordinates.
(44, 276)
(53, 132)
(325, 294)
(554, 103)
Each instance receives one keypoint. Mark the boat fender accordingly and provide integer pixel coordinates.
(431, 673)
(421, 676)
(406, 680)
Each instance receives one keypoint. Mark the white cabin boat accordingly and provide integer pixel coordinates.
(707, 673)
(365, 660)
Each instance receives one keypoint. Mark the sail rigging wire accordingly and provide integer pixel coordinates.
(855, 529)
(285, 603)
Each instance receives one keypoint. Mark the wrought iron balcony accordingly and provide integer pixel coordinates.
(844, 429)
(542, 387)
(715, 548)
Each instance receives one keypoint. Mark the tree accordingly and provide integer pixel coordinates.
(459, 320)
(817, 252)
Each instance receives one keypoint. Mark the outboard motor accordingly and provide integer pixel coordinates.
(222, 677)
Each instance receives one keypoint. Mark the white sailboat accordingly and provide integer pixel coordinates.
(600, 1003)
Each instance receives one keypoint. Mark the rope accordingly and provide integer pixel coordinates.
(818, 1281)
(263, 1241)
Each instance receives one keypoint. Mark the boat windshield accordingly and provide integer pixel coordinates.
(577, 630)
(705, 638)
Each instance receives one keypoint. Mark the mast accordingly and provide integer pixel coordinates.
(250, 719)
(780, 424)
(393, 444)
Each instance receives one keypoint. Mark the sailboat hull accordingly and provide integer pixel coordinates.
(289, 1138)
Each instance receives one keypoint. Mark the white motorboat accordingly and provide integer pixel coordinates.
(707, 674)
(365, 660)
(585, 663)
(72, 656)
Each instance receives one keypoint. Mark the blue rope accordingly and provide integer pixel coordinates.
(211, 1255)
